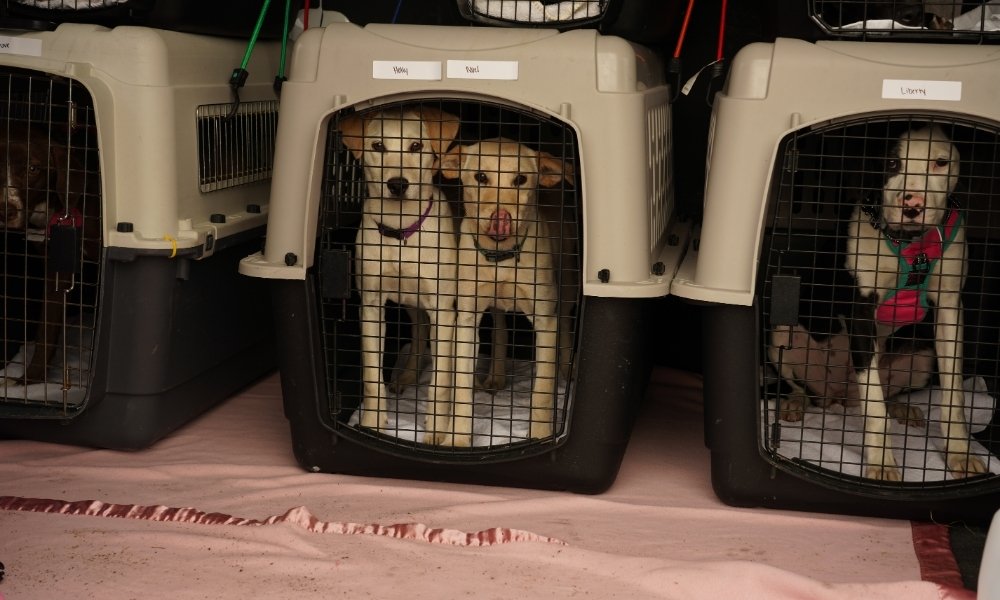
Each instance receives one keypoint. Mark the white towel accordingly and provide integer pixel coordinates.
(78, 358)
(833, 438)
(498, 419)
(532, 11)
(70, 4)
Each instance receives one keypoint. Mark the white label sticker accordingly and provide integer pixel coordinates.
(23, 46)
(483, 69)
(907, 89)
(424, 70)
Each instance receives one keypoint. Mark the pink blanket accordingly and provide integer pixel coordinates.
(221, 510)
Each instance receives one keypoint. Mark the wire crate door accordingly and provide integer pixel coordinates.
(51, 243)
(448, 266)
(879, 294)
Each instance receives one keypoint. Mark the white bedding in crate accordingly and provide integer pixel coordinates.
(532, 11)
(833, 438)
(78, 357)
(498, 419)
(981, 18)
(70, 4)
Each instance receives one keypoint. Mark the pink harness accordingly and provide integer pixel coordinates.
(907, 303)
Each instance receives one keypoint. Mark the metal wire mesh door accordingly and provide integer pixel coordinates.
(938, 20)
(880, 300)
(546, 12)
(51, 242)
(448, 270)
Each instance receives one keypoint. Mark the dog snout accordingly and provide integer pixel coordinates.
(500, 225)
(397, 186)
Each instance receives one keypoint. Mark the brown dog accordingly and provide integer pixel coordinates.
(43, 188)
(507, 261)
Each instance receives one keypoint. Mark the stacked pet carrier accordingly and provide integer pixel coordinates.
(848, 262)
(468, 226)
(135, 182)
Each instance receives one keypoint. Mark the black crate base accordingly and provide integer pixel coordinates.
(174, 338)
(611, 377)
(743, 475)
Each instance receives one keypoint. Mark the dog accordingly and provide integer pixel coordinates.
(816, 369)
(405, 251)
(44, 185)
(507, 262)
(907, 245)
(912, 13)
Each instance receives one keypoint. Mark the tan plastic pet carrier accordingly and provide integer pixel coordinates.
(848, 261)
(468, 227)
(134, 184)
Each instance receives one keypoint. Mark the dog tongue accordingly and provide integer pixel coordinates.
(499, 225)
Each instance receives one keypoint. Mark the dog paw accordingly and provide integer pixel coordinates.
(883, 473)
(449, 440)
(540, 430)
(792, 408)
(906, 414)
(370, 420)
(963, 465)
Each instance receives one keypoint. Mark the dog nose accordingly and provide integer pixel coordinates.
(913, 201)
(397, 185)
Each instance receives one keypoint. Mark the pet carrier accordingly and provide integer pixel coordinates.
(910, 20)
(233, 18)
(648, 21)
(851, 195)
(549, 155)
(134, 185)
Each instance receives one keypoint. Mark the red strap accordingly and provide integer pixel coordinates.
(73, 219)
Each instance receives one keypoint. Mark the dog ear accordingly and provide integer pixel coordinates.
(70, 179)
(450, 163)
(442, 127)
(352, 131)
(552, 170)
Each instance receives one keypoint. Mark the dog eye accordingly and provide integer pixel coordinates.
(33, 169)
(416, 147)
(520, 180)
(378, 146)
(892, 164)
(941, 162)
(482, 178)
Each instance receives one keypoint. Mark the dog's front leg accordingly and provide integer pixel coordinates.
(442, 394)
(47, 336)
(374, 407)
(878, 458)
(546, 372)
(948, 345)
(466, 345)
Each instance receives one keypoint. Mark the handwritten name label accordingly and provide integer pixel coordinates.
(22, 46)
(483, 69)
(423, 70)
(906, 89)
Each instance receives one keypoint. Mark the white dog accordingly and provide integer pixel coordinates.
(506, 262)
(906, 253)
(405, 249)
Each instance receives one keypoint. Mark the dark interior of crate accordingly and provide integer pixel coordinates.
(820, 176)
(47, 126)
(499, 415)
(931, 19)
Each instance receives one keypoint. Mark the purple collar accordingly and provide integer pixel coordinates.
(403, 234)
